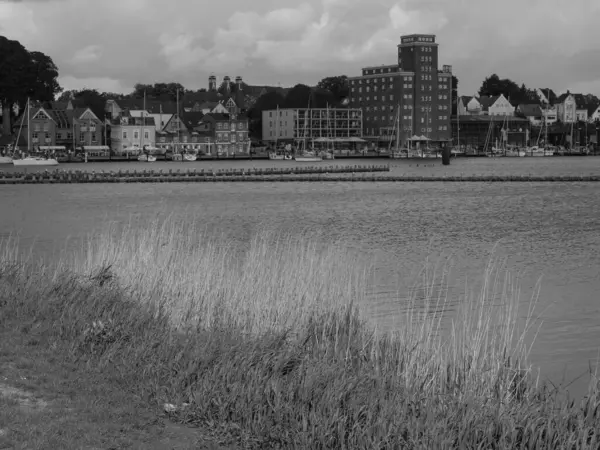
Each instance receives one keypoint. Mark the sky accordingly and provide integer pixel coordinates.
(112, 44)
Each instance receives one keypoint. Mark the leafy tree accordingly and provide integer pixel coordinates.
(158, 91)
(298, 97)
(22, 75)
(42, 78)
(14, 60)
(267, 101)
(494, 85)
(337, 85)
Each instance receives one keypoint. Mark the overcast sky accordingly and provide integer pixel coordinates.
(112, 44)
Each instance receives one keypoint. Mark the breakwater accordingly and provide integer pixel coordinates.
(279, 174)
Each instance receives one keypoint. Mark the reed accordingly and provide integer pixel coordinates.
(271, 342)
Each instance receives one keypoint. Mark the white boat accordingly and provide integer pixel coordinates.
(515, 153)
(536, 151)
(147, 158)
(275, 156)
(189, 157)
(304, 158)
(548, 152)
(327, 155)
(6, 160)
(35, 161)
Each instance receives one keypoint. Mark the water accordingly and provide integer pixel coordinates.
(547, 230)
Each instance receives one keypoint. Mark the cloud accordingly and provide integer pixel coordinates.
(120, 42)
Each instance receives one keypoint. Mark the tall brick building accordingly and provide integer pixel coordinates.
(415, 86)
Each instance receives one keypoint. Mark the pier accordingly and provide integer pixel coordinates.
(379, 173)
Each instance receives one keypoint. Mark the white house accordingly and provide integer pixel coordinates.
(497, 105)
(469, 106)
(567, 108)
(595, 115)
(213, 107)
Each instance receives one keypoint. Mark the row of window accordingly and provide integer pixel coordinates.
(426, 58)
(227, 126)
(379, 80)
(379, 70)
(136, 135)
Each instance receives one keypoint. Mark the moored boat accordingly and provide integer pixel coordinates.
(189, 157)
(35, 161)
(308, 157)
(276, 156)
(6, 160)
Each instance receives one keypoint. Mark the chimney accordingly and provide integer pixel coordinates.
(227, 82)
(238, 81)
(212, 83)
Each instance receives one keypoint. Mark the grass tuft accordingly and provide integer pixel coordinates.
(272, 343)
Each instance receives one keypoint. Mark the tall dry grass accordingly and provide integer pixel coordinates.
(274, 342)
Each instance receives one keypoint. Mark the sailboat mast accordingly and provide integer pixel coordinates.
(28, 128)
(457, 122)
(143, 121)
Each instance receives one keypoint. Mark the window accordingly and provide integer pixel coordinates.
(34, 135)
(46, 126)
(70, 135)
(146, 135)
(82, 137)
(136, 134)
(36, 127)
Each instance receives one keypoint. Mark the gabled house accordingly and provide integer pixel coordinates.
(566, 108)
(469, 106)
(497, 105)
(546, 96)
(531, 112)
(594, 113)
(65, 128)
(212, 107)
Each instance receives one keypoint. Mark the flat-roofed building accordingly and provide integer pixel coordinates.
(294, 124)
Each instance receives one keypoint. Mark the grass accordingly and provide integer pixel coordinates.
(270, 344)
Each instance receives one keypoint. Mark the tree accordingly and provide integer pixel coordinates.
(158, 91)
(14, 62)
(493, 86)
(267, 101)
(298, 97)
(337, 85)
(42, 78)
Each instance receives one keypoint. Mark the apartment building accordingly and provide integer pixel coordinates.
(413, 95)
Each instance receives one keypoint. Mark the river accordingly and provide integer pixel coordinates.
(547, 230)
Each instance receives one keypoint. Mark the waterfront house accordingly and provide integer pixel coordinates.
(468, 105)
(127, 131)
(67, 128)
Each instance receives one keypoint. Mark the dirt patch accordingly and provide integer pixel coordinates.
(25, 400)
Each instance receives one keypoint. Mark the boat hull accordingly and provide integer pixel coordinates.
(144, 158)
(276, 157)
(308, 158)
(35, 162)
(189, 158)
(6, 160)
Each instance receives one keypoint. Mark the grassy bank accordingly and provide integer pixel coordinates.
(270, 344)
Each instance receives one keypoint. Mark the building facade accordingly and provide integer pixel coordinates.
(413, 93)
(293, 124)
(68, 128)
(226, 134)
(129, 132)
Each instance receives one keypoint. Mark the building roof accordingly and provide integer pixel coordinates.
(191, 119)
(549, 93)
(128, 120)
(530, 110)
(488, 118)
(487, 101)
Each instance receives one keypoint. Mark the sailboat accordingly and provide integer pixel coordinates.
(31, 160)
(144, 157)
(307, 156)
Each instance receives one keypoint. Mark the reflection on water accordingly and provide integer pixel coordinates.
(542, 230)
